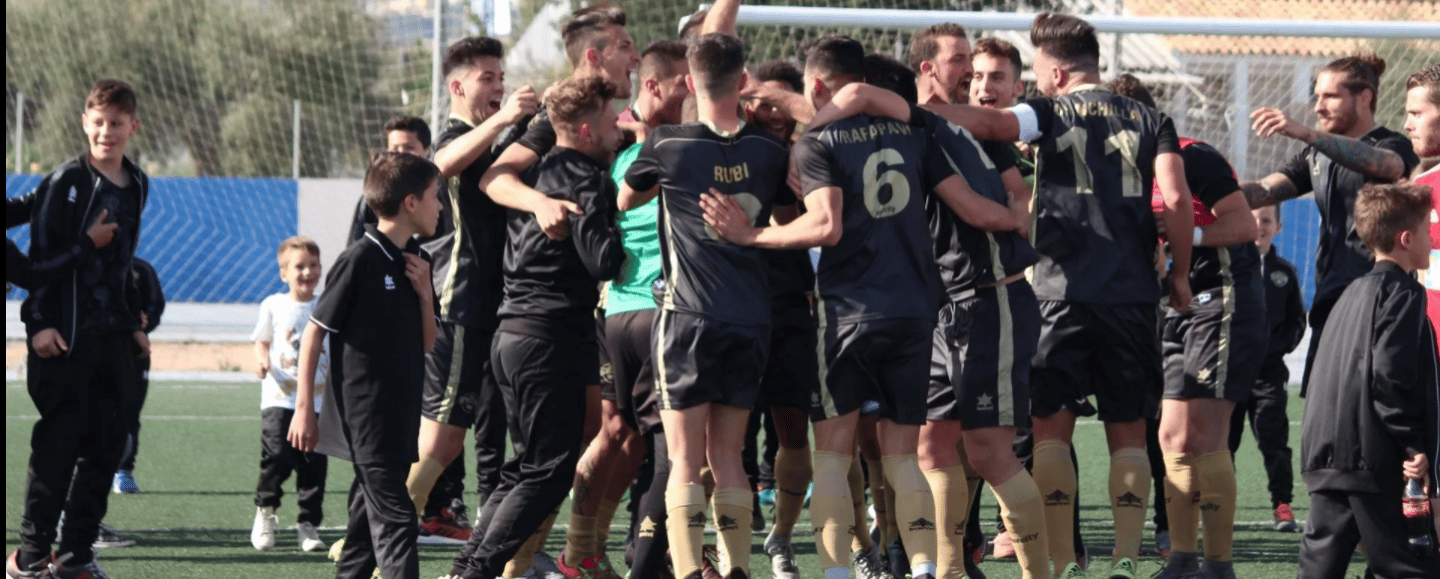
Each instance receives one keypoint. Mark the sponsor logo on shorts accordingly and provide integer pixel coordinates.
(1204, 298)
(922, 524)
(1279, 278)
(1129, 499)
(985, 402)
(1057, 499)
(727, 523)
(697, 520)
(607, 373)
(647, 528)
(469, 402)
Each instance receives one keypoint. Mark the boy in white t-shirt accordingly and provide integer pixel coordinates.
(283, 318)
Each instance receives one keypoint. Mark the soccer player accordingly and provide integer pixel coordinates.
(277, 336)
(714, 324)
(149, 305)
(403, 134)
(863, 176)
(84, 338)
(630, 315)
(1098, 154)
(545, 350)
(378, 329)
(1371, 410)
(1344, 151)
(460, 390)
(1212, 355)
(1285, 325)
(940, 56)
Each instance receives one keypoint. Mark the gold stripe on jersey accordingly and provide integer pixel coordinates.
(1005, 362)
(667, 305)
(826, 401)
(661, 372)
(1227, 302)
(452, 380)
(447, 293)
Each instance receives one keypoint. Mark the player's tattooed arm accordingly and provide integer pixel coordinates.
(1274, 189)
(1375, 162)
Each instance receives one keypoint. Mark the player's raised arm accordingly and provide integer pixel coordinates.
(721, 17)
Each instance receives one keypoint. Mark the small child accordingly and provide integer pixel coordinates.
(380, 328)
(147, 300)
(283, 318)
(84, 338)
(1370, 412)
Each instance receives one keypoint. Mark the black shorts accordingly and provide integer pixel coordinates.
(883, 360)
(605, 375)
(1111, 351)
(980, 362)
(456, 370)
(699, 361)
(629, 347)
(791, 374)
(1216, 348)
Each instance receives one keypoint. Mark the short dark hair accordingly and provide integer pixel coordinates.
(892, 75)
(781, 70)
(924, 47)
(717, 59)
(1383, 211)
(1428, 77)
(586, 29)
(1066, 38)
(1127, 85)
(462, 53)
(573, 99)
(413, 124)
(1362, 71)
(392, 177)
(836, 56)
(1000, 49)
(108, 92)
(658, 59)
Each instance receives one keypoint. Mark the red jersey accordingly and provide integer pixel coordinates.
(1431, 178)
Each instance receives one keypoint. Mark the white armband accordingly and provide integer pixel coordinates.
(1029, 123)
(1199, 239)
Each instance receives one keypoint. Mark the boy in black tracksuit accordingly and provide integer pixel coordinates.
(546, 346)
(1285, 321)
(84, 336)
(1370, 413)
(147, 299)
(379, 312)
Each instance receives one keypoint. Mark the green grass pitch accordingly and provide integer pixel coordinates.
(198, 464)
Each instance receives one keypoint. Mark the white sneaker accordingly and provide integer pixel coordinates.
(262, 535)
(309, 538)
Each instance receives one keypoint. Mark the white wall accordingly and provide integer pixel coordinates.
(325, 208)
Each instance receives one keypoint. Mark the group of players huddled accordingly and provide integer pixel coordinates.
(618, 293)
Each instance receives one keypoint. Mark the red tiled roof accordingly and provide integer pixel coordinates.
(1364, 10)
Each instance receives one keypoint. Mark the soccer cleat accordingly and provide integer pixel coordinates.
(1162, 544)
(58, 570)
(107, 538)
(308, 537)
(124, 483)
(1180, 565)
(448, 526)
(898, 560)
(1071, 571)
(1212, 569)
(587, 569)
(456, 511)
(603, 570)
(1004, 546)
(767, 497)
(867, 565)
(262, 534)
(1285, 519)
(35, 571)
(782, 557)
(1123, 569)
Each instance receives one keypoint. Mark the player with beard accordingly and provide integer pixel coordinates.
(1346, 150)
(1422, 122)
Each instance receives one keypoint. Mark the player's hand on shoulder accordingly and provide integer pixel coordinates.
(418, 270)
(727, 218)
(521, 104)
(48, 343)
(101, 232)
(303, 432)
(1271, 121)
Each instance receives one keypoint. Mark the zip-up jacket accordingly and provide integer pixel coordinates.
(551, 287)
(1373, 391)
(64, 206)
(18, 268)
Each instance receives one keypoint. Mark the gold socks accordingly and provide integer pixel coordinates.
(1024, 516)
(914, 509)
(1217, 503)
(952, 506)
(1129, 499)
(685, 510)
(792, 476)
(421, 481)
(732, 520)
(1054, 476)
(831, 511)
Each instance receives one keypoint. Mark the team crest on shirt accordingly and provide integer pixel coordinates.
(469, 402)
(71, 198)
(389, 282)
(1279, 278)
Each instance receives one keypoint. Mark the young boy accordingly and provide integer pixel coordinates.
(148, 302)
(380, 329)
(283, 318)
(1370, 411)
(84, 339)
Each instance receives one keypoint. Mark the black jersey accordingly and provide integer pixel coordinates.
(884, 265)
(1094, 171)
(471, 288)
(1340, 255)
(553, 285)
(706, 275)
(1211, 179)
(970, 257)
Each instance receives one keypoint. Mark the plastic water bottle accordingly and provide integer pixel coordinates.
(1417, 520)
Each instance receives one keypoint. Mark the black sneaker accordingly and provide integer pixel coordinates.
(109, 539)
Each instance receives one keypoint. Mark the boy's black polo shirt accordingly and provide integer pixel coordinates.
(377, 358)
